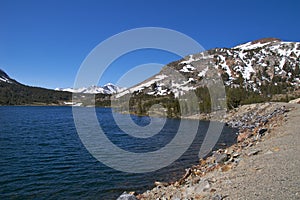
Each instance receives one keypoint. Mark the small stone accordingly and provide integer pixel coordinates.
(269, 152)
(220, 158)
(217, 197)
(212, 190)
(235, 155)
(158, 183)
(253, 152)
(196, 180)
(262, 131)
(132, 193)
(243, 136)
(229, 150)
(226, 168)
(212, 180)
(222, 144)
(276, 149)
(202, 162)
(177, 184)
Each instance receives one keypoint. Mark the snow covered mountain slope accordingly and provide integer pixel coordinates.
(5, 78)
(252, 65)
(106, 89)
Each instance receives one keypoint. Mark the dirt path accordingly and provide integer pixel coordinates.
(272, 174)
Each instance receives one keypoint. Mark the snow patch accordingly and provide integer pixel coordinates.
(6, 80)
(248, 69)
(282, 62)
(187, 68)
(203, 72)
(142, 86)
(191, 59)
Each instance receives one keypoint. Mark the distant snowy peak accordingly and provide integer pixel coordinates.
(4, 77)
(106, 89)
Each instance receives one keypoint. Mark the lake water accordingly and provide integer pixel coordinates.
(42, 157)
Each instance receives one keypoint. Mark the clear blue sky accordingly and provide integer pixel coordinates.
(43, 43)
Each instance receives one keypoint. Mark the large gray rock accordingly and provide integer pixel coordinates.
(126, 196)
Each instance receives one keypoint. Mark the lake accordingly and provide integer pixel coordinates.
(42, 156)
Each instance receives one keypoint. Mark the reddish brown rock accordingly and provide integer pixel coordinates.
(243, 136)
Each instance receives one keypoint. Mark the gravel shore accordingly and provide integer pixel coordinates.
(263, 164)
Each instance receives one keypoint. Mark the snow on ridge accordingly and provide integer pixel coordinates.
(3, 79)
(191, 59)
(141, 86)
(250, 45)
(148, 83)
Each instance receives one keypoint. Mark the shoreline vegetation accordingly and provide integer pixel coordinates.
(216, 177)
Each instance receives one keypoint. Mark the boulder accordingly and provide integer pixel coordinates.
(126, 196)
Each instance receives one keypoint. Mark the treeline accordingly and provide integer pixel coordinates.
(18, 94)
(201, 100)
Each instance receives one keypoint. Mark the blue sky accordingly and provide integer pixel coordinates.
(43, 43)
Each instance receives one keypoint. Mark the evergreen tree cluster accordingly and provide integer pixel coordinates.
(202, 101)
(18, 94)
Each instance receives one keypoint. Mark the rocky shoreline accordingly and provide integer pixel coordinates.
(256, 123)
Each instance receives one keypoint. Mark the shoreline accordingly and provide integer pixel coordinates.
(258, 124)
(233, 172)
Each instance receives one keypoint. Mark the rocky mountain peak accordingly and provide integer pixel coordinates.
(266, 40)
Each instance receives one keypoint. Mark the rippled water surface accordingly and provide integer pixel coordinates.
(42, 157)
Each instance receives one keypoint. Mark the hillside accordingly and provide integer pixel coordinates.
(15, 93)
(257, 71)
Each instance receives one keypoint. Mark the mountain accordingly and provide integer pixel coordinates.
(108, 88)
(251, 65)
(15, 93)
(260, 70)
